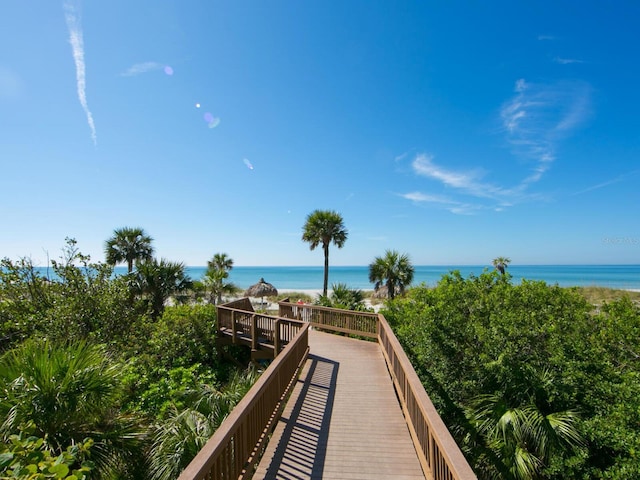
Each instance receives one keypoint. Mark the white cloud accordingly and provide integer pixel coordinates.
(420, 197)
(612, 181)
(77, 48)
(423, 165)
(140, 68)
(567, 61)
(539, 116)
(534, 121)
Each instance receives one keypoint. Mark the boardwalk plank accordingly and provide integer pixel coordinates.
(343, 420)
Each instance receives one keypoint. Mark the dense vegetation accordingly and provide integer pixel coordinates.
(532, 380)
(100, 378)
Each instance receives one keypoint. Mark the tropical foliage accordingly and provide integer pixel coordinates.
(128, 245)
(96, 364)
(27, 457)
(501, 264)
(531, 379)
(69, 393)
(324, 227)
(156, 281)
(215, 278)
(343, 297)
(393, 270)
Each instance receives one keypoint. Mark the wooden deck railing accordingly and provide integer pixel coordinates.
(233, 450)
(363, 324)
(239, 320)
(438, 452)
(235, 447)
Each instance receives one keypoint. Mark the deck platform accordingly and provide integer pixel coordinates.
(343, 420)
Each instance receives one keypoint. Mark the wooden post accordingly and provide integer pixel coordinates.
(254, 333)
(276, 337)
(233, 327)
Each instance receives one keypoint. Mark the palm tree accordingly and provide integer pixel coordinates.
(393, 270)
(156, 281)
(128, 245)
(501, 264)
(324, 227)
(220, 261)
(217, 272)
(69, 393)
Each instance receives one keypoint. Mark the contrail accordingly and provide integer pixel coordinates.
(77, 48)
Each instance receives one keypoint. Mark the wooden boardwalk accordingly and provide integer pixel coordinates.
(343, 420)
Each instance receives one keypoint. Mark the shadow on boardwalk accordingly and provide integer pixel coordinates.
(302, 449)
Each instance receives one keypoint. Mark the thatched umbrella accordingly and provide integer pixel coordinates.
(261, 289)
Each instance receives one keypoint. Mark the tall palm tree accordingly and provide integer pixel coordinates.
(220, 261)
(128, 245)
(393, 270)
(501, 264)
(155, 281)
(69, 393)
(324, 227)
(214, 278)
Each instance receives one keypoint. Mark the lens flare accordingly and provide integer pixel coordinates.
(197, 105)
(212, 121)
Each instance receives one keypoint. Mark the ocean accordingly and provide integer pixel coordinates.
(310, 278)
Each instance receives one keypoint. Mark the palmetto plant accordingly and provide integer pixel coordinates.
(155, 281)
(393, 270)
(520, 429)
(128, 245)
(323, 227)
(67, 393)
(181, 436)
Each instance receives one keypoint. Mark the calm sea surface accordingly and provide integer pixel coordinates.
(310, 278)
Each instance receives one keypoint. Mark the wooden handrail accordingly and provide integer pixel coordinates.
(438, 452)
(235, 447)
(363, 324)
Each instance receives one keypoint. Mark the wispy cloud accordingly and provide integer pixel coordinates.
(538, 116)
(546, 37)
(140, 68)
(567, 61)
(453, 206)
(77, 48)
(612, 181)
(533, 121)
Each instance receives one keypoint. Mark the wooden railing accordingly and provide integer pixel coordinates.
(363, 324)
(439, 454)
(235, 447)
(239, 320)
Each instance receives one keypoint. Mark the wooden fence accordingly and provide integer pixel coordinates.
(234, 449)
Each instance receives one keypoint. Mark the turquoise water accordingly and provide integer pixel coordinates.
(310, 278)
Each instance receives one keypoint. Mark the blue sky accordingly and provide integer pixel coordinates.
(453, 131)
